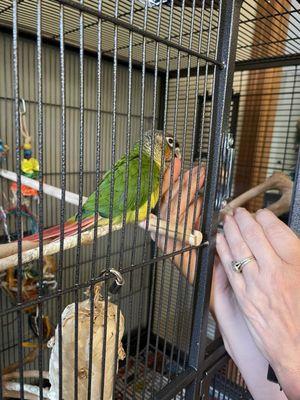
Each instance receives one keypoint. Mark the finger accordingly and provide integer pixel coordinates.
(239, 248)
(255, 238)
(284, 241)
(195, 183)
(187, 190)
(170, 204)
(236, 280)
(193, 214)
(170, 187)
(167, 176)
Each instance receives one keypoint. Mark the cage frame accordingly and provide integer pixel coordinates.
(204, 362)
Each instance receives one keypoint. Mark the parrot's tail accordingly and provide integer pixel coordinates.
(70, 228)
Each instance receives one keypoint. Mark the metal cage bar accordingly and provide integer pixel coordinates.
(195, 369)
(294, 220)
(137, 30)
(228, 30)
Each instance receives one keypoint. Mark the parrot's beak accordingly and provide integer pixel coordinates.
(178, 153)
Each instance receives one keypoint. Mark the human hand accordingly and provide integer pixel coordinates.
(188, 209)
(237, 338)
(268, 290)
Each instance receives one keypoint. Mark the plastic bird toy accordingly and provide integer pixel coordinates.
(29, 164)
(3, 151)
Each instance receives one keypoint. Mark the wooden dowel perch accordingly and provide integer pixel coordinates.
(9, 259)
(53, 247)
(279, 181)
(193, 238)
(50, 190)
(30, 251)
(26, 374)
(31, 392)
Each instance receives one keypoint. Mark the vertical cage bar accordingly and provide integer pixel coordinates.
(19, 201)
(294, 218)
(171, 21)
(139, 193)
(289, 119)
(111, 194)
(98, 168)
(128, 134)
(41, 198)
(79, 215)
(199, 164)
(153, 247)
(227, 43)
(180, 181)
(63, 195)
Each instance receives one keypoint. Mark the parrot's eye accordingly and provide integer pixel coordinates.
(170, 141)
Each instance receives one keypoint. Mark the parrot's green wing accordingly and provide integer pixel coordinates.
(119, 189)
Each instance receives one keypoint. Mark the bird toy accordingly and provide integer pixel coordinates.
(3, 151)
(29, 164)
(30, 289)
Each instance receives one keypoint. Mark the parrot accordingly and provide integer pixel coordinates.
(160, 145)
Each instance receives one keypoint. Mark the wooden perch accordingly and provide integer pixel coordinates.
(28, 358)
(193, 238)
(279, 181)
(31, 392)
(53, 191)
(26, 374)
(70, 242)
(9, 256)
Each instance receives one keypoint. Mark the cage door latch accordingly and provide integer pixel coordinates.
(227, 159)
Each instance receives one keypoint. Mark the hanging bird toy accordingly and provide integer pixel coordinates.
(3, 151)
(29, 164)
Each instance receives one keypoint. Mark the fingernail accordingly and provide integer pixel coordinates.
(259, 211)
(227, 217)
(239, 209)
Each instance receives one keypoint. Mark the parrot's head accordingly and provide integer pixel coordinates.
(161, 144)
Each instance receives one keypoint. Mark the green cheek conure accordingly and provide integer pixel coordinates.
(88, 209)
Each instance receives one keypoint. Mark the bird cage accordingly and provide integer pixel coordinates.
(221, 77)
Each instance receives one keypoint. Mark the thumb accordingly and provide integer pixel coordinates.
(167, 176)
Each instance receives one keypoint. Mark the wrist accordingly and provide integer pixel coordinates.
(289, 380)
(286, 365)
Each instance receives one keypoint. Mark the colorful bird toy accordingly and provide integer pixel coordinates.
(29, 164)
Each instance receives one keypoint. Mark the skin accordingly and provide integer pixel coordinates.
(258, 311)
(187, 208)
(265, 297)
